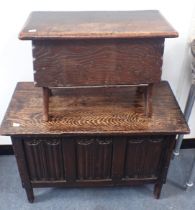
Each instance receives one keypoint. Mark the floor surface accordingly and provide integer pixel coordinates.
(173, 196)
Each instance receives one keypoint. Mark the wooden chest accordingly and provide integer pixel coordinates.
(96, 137)
(97, 49)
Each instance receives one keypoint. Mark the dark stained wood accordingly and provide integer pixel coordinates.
(33, 159)
(100, 111)
(96, 24)
(96, 136)
(69, 159)
(98, 161)
(8, 149)
(167, 157)
(118, 159)
(97, 49)
(44, 158)
(93, 183)
(46, 94)
(143, 157)
(148, 100)
(69, 63)
(63, 63)
(165, 161)
(157, 189)
(22, 167)
(53, 152)
(94, 141)
(94, 158)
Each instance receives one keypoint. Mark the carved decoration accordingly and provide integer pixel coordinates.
(33, 142)
(44, 159)
(143, 157)
(94, 158)
(53, 142)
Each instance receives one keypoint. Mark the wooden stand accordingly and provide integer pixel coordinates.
(96, 141)
(146, 90)
(148, 100)
(46, 94)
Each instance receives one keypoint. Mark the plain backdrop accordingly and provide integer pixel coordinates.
(16, 58)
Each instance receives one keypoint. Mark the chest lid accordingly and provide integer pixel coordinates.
(93, 111)
(96, 24)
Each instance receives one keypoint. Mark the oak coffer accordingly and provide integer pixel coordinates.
(96, 137)
(97, 49)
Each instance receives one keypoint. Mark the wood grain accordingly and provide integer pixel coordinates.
(69, 159)
(94, 158)
(118, 159)
(46, 94)
(96, 24)
(143, 157)
(165, 161)
(103, 111)
(94, 183)
(44, 159)
(63, 63)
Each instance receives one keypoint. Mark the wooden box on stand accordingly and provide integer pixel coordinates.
(97, 49)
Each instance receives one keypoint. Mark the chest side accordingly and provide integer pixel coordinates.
(61, 63)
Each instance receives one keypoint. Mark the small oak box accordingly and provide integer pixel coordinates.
(97, 49)
(96, 137)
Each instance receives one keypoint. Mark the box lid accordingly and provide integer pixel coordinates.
(96, 24)
(89, 111)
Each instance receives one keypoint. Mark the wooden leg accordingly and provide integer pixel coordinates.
(166, 161)
(157, 190)
(46, 94)
(140, 89)
(22, 167)
(148, 100)
(50, 92)
(30, 194)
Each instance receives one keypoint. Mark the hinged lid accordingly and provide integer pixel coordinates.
(93, 111)
(93, 24)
